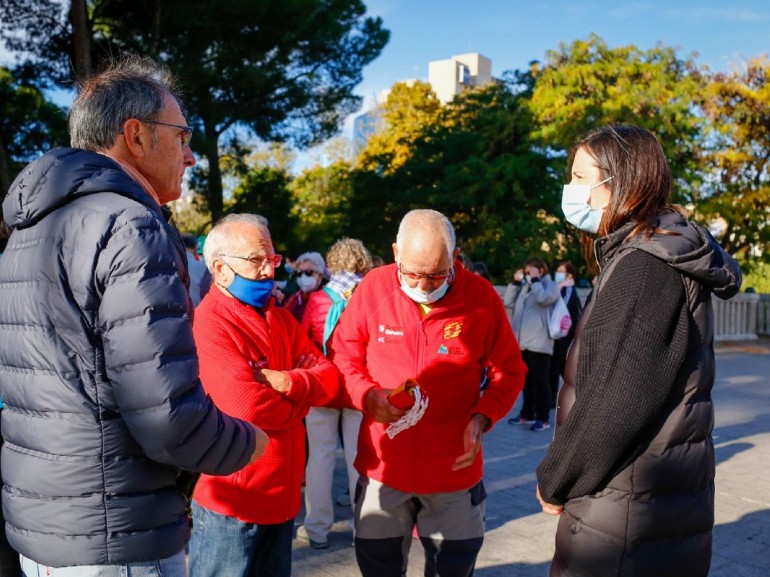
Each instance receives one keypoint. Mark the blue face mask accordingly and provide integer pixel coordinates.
(249, 291)
(574, 204)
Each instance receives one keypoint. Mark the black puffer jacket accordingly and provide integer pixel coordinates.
(632, 458)
(98, 370)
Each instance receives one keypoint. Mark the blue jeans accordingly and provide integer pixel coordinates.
(223, 546)
(173, 566)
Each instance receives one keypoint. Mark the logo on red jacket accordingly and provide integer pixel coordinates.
(389, 334)
(453, 329)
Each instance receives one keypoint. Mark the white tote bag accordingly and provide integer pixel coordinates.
(560, 320)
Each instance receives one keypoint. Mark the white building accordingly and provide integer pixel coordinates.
(450, 77)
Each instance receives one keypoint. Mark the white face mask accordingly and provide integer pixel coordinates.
(574, 204)
(559, 276)
(425, 298)
(307, 283)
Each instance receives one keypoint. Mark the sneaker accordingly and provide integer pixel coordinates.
(540, 426)
(519, 421)
(303, 536)
(344, 499)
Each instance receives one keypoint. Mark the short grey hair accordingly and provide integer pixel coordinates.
(316, 259)
(132, 87)
(217, 240)
(427, 220)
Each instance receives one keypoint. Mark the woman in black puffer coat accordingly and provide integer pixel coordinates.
(631, 466)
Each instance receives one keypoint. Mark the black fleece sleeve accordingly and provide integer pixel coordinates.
(633, 346)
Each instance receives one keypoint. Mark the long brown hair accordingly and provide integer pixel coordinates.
(641, 179)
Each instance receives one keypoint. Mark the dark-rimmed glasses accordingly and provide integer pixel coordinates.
(259, 261)
(187, 131)
(420, 276)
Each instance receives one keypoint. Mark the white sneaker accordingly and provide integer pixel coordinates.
(303, 536)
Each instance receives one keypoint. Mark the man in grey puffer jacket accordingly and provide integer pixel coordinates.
(98, 367)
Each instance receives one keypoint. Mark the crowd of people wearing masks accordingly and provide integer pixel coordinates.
(140, 425)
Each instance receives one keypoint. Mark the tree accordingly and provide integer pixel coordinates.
(321, 204)
(265, 191)
(587, 84)
(382, 188)
(407, 113)
(473, 160)
(737, 193)
(29, 125)
(284, 69)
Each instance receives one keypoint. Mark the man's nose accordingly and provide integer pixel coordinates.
(425, 285)
(189, 157)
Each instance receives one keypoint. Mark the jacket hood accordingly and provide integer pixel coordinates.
(62, 175)
(687, 247)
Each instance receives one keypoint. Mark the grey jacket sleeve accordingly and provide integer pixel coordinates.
(150, 358)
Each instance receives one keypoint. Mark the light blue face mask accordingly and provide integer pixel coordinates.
(574, 204)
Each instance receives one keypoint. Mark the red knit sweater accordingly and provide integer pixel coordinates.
(230, 335)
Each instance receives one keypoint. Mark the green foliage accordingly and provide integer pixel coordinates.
(474, 161)
(29, 126)
(493, 160)
(285, 69)
(264, 190)
(321, 197)
(738, 188)
(587, 85)
(756, 275)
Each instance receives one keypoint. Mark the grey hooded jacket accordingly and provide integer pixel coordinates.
(98, 370)
(632, 458)
(531, 304)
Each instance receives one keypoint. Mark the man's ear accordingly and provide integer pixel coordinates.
(455, 254)
(395, 252)
(137, 138)
(216, 267)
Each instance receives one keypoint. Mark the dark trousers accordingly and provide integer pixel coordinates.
(558, 361)
(9, 559)
(537, 389)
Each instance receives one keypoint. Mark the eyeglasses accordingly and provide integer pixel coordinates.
(259, 261)
(187, 131)
(306, 272)
(419, 276)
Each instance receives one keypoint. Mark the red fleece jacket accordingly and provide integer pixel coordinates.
(231, 337)
(381, 340)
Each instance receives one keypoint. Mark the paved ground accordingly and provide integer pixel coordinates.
(519, 539)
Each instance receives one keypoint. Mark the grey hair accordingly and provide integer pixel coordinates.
(316, 259)
(132, 87)
(427, 220)
(218, 238)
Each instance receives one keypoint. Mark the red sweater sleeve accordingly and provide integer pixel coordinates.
(232, 339)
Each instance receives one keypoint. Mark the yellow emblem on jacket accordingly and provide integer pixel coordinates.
(453, 329)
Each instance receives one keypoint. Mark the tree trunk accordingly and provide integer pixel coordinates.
(81, 36)
(155, 34)
(214, 185)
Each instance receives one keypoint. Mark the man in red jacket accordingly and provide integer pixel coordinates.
(258, 364)
(426, 319)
